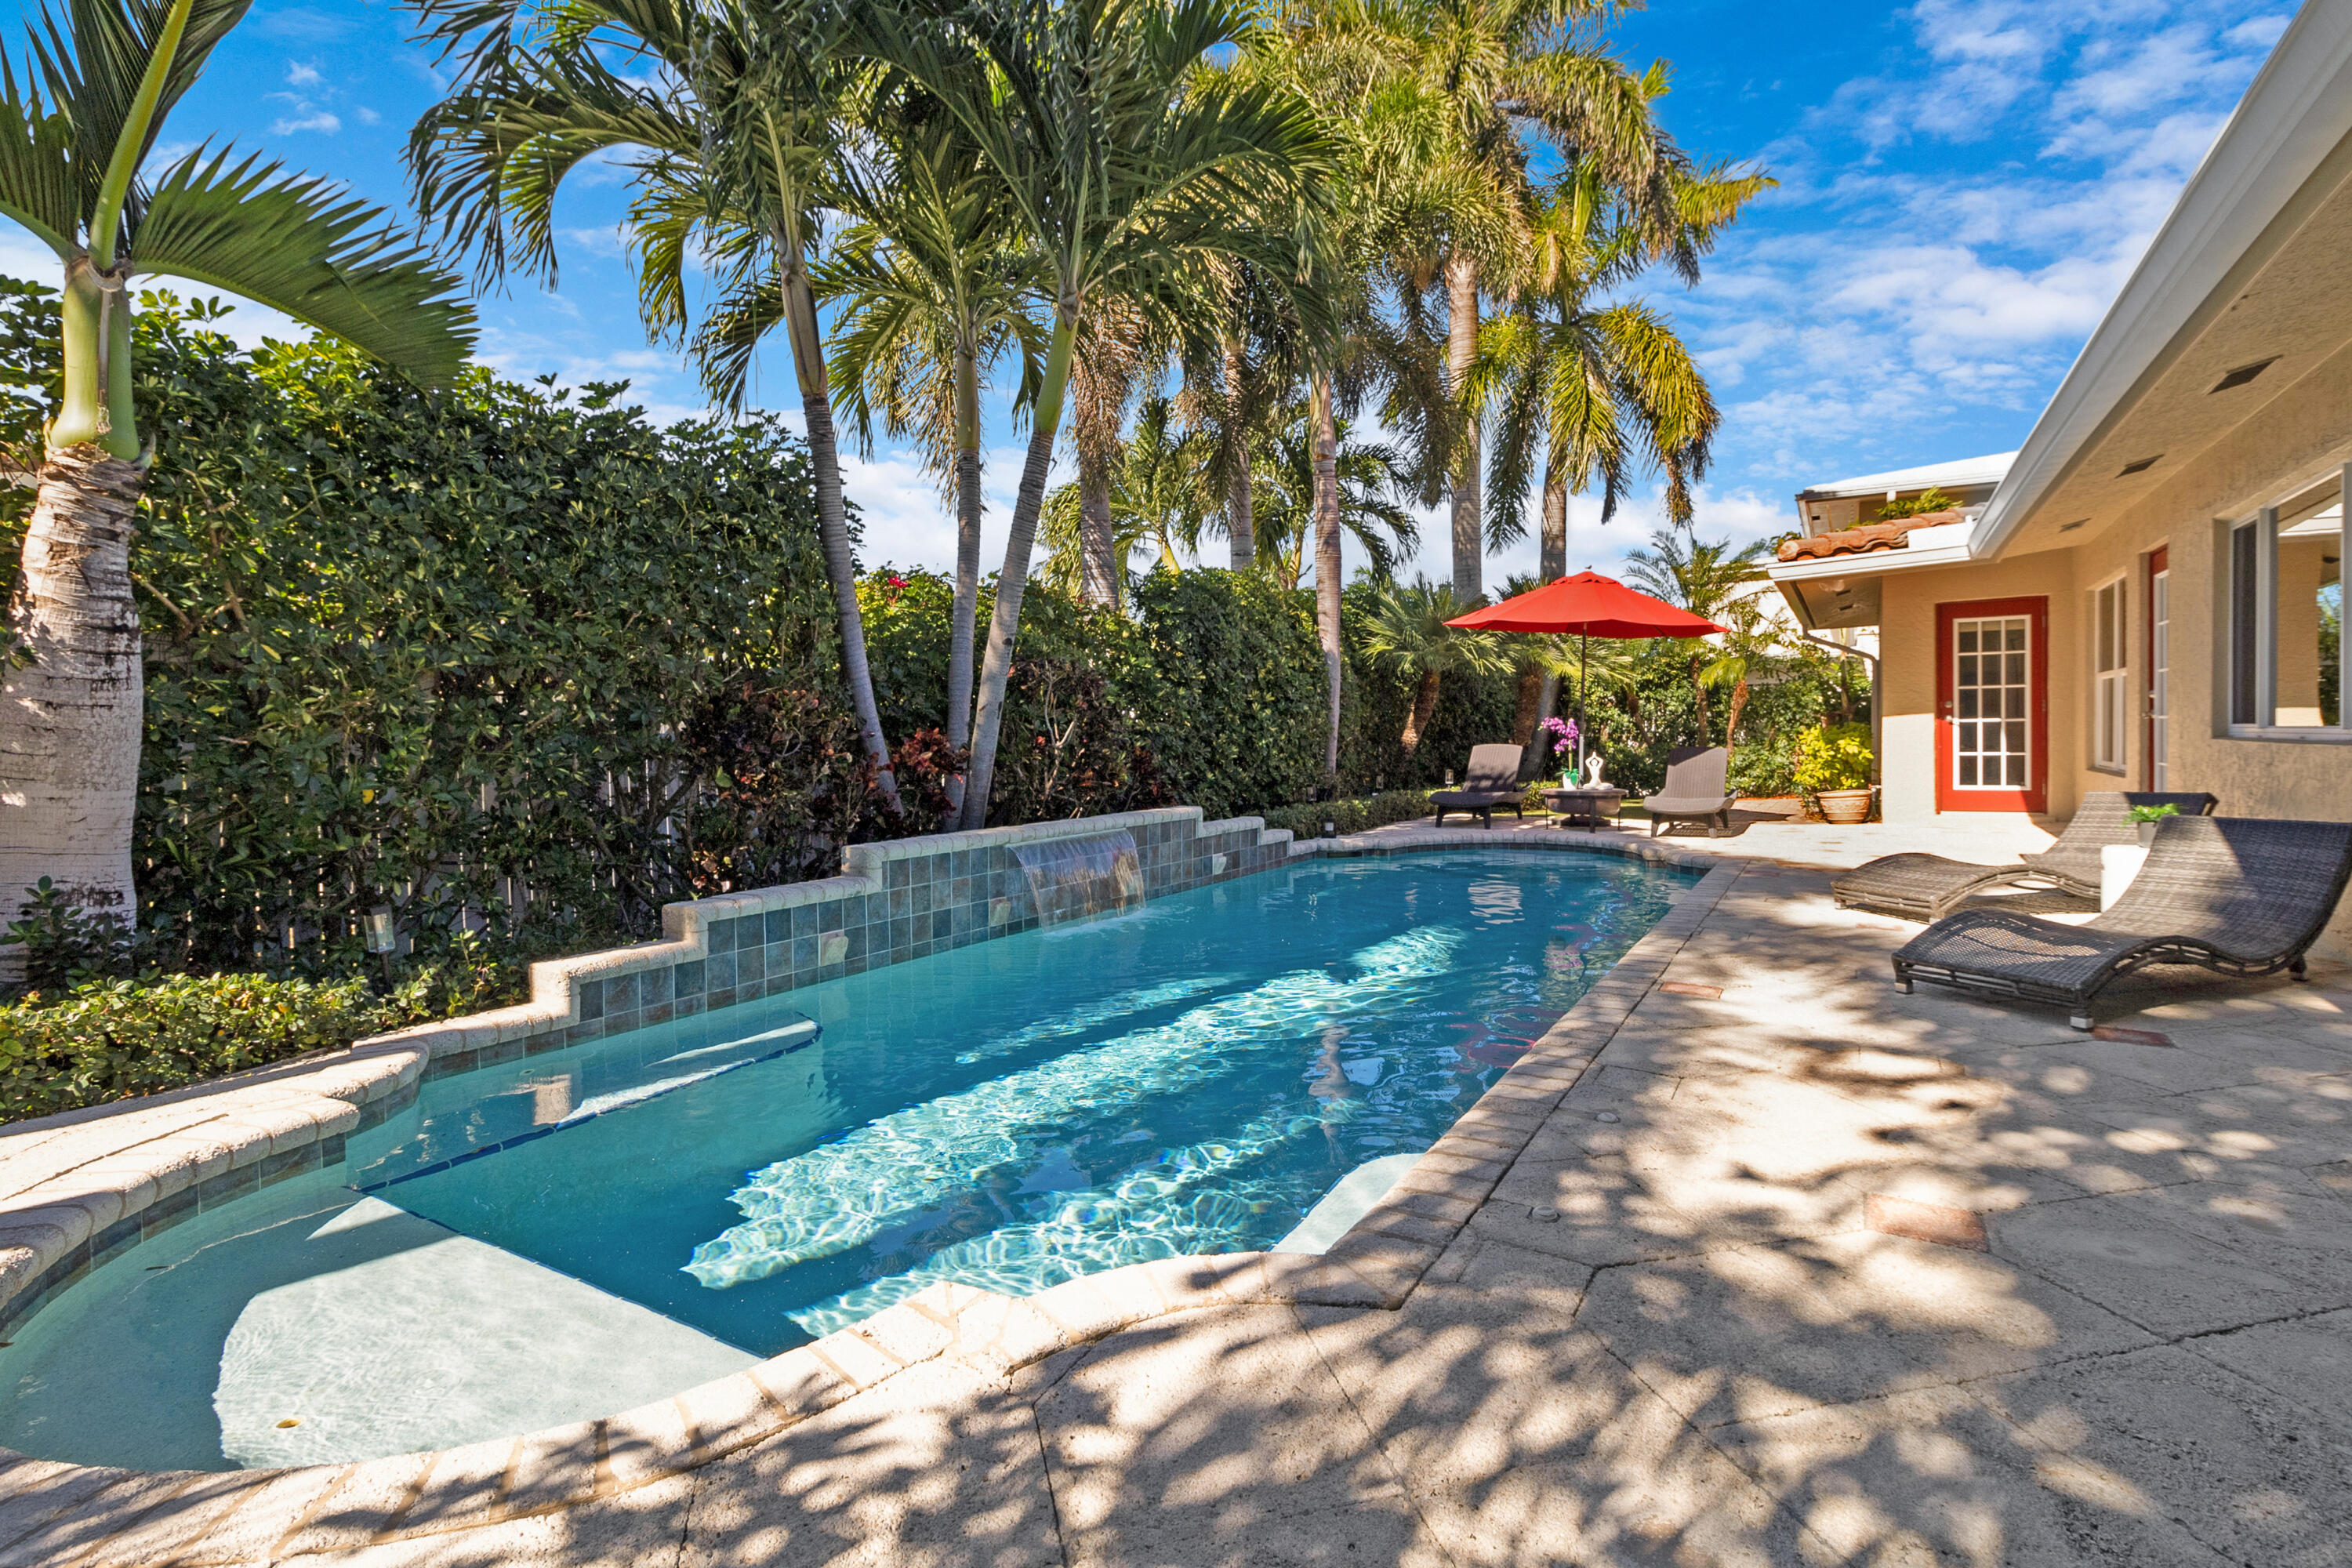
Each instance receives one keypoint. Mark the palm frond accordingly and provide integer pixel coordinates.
(36, 170)
(301, 246)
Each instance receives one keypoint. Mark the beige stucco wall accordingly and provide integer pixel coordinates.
(1908, 645)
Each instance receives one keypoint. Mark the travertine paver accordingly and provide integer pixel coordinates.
(1803, 1272)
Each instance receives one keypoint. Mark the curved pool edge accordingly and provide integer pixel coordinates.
(52, 1510)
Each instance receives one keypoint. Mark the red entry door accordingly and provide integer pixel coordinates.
(1992, 705)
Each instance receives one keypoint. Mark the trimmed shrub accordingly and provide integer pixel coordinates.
(109, 1039)
(1352, 816)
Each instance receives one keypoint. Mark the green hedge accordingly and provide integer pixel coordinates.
(109, 1039)
(1208, 690)
(1354, 815)
(503, 658)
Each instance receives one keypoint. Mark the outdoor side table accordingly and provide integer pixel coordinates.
(1584, 807)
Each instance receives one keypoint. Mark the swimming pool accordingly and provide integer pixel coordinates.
(557, 1236)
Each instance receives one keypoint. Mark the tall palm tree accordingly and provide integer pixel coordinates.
(1128, 164)
(1393, 181)
(1594, 381)
(934, 292)
(83, 107)
(1499, 79)
(1408, 634)
(1289, 494)
(1702, 576)
(730, 129)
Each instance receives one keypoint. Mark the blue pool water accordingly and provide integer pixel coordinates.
(1188, 1078)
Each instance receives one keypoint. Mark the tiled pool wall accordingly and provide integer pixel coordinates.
(895, 900)
(905, 899)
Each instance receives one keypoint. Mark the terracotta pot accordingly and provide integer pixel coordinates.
(1846, 806)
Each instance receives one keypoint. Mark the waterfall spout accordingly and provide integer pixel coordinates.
(1078, 879)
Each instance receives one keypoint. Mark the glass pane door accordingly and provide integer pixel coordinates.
(1989, 684)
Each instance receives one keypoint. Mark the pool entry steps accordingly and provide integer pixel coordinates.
(1079, 878)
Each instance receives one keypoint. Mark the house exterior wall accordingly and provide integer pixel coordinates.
(2301, 438)
(1908, 694)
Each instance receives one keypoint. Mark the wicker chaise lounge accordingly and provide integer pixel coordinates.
(1695, 790)
(2241, 895)
(1489, 784)
(1929, 886)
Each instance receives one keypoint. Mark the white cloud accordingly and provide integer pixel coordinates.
(300, 74)
(317, 120)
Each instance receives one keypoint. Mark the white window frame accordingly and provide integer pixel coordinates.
(2110, 627)
(2257, 718)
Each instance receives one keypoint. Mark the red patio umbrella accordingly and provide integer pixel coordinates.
(1591, 606)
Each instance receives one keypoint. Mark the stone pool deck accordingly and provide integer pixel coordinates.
(1750, 1261)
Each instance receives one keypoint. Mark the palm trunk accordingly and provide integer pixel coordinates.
(965, 610)
(1524, 717)
(1551, 565)
(1424, 707)
(1531, 753)
(1097, 548)
(1013, 581)
(69, 749)
(1553, 549)
(1705, 735)
(1461, 351)
(1327, 564)
(1731, 719)
(1241, 519)
(832, 519)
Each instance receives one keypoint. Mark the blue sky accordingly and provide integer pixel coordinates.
(1964, 185)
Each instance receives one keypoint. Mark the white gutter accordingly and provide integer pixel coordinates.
(2298, 109)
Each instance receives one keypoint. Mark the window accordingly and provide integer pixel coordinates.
(2287, 618)
(2107, 693)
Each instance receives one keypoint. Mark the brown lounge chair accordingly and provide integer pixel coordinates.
(1491, 781)
(1696, 790)
(2241, 895)
(1928, 887)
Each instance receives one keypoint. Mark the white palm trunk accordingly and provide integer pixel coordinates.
(1327, 566)
(69, 719)
(1461, 355)
(1241, 519)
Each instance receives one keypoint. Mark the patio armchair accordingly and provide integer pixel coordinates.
(2242, 896)
(1928, 887)
(1696, 790)
(1491, 781)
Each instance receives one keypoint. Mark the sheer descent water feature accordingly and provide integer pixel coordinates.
(1079, 878)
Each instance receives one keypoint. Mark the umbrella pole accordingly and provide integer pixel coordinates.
(1583, 676)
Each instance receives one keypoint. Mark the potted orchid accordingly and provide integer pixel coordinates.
(1563, 744)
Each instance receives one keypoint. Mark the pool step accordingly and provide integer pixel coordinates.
(1345, 1204)
(426, 1339)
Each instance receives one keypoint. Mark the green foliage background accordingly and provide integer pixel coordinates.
(499, 655)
